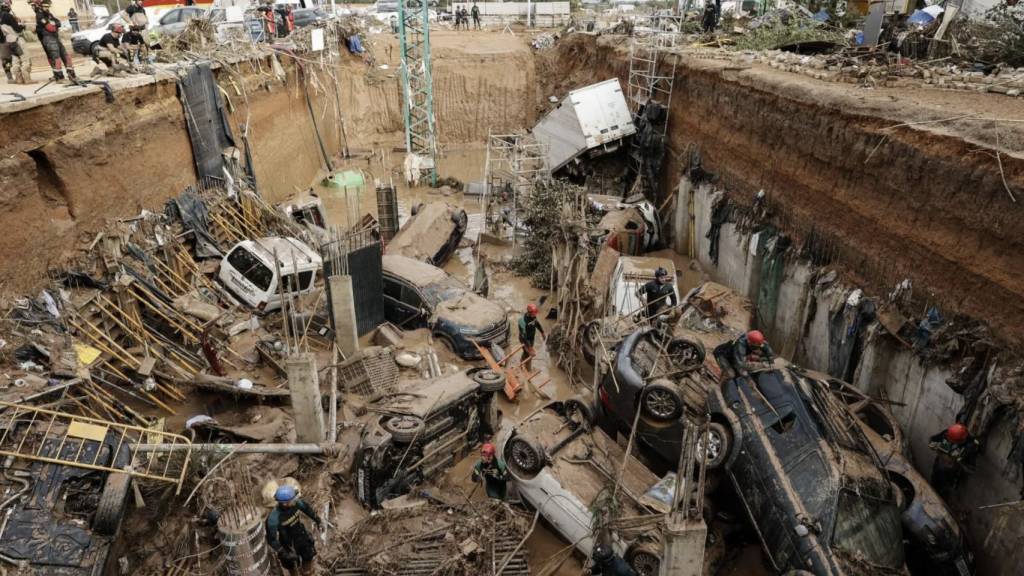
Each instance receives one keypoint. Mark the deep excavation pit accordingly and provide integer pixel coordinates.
(845, 177)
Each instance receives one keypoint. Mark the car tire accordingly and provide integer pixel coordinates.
(448, 342)
(526, 453)
(645, 558)
(416, 208)
(579, 411)
(719, 438)
(686, 352)
(661, 401)
(112, 503)
(591, 337)
(489, 380)
(404, 429)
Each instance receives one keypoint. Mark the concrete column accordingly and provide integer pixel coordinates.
(681, 218)
(306, 406)
(683, 554)
(343, 307)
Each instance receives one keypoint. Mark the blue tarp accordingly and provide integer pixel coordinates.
(921, 17)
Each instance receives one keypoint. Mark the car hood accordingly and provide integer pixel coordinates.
(470, 310)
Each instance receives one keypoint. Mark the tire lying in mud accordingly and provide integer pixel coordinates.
(590, 338)
(404, 429)
(526, 453)
(661, 401)
(112, 503)
(645, 558)
(578, 411)
(489, 380)
(718, 443)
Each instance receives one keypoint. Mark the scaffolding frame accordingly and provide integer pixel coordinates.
(651, 75)
(417, 85)
(519, 160)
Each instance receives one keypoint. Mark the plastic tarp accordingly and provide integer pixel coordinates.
(194, 216)
(773, 269)
(208, 126)
(846, 328)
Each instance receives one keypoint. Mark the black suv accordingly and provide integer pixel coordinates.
(68, 517)
(423, 430)
(417, 295)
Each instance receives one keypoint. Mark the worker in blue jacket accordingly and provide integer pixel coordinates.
(286, 534)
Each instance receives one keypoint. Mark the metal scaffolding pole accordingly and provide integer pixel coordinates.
(417, 87)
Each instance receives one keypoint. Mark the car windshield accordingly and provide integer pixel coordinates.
(867, 527)
(442, 290)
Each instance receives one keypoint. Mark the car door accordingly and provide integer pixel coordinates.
(396, 310)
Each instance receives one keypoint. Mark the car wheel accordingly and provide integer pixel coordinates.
(112, 503)
(404, 429)
(489, 380)
(686, 353)
(416, 208)
(448, 342)
(578, 411)
(92, 49)
(591, 341)
(645, 559)
(717, 442)
(661, 401)
(526, 454)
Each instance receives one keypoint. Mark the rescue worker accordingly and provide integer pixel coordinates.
(465, 18)
(266, 12)
(528, 327)
(608, 563)
(287, 18)
(476, 16)
(458, 18)
(492, 471)
(73, 19)
(732, 356)
(957, 453)
(108, 52)
(710, 17)
(286, 533)
(48, 32)
(658, 292)
(136, 37)
(14, 39)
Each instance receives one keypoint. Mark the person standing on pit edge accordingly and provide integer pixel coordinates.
(73, 19)
(14, 40)
(287, 535)
(465, 18)
(136, 38)
(476, 16)
(529, 325)
(48, 32)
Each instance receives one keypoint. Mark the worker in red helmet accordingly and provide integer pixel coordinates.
(492, 470)
(529, 325)
(48, 32)
(957, 453)
(733, 356)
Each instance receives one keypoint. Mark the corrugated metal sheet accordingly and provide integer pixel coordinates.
(585, 119)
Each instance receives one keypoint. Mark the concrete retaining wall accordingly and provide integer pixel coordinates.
(926, 403)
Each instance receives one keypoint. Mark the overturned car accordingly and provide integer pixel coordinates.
(432, 233)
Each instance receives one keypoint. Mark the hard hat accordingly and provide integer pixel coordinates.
(957, 433)
(117, 28)
(285, 493)
(602, 554)
(755, 337)
(660, 272)
(532, 309)
(487, 449)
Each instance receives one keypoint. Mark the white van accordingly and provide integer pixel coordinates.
(250, 274)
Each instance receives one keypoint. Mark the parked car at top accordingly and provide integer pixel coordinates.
(561, 467)
(427, 427)
(308, 16)
(432, 233)
(251, 274)
(417, 295)
(173, 22)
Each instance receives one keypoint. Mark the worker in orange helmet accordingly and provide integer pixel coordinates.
(957, 453)
(733, 356)
(492, 470)
(529, 325)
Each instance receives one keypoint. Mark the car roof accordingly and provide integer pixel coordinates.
(419, 274)
(289, 251)
(645, 266)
